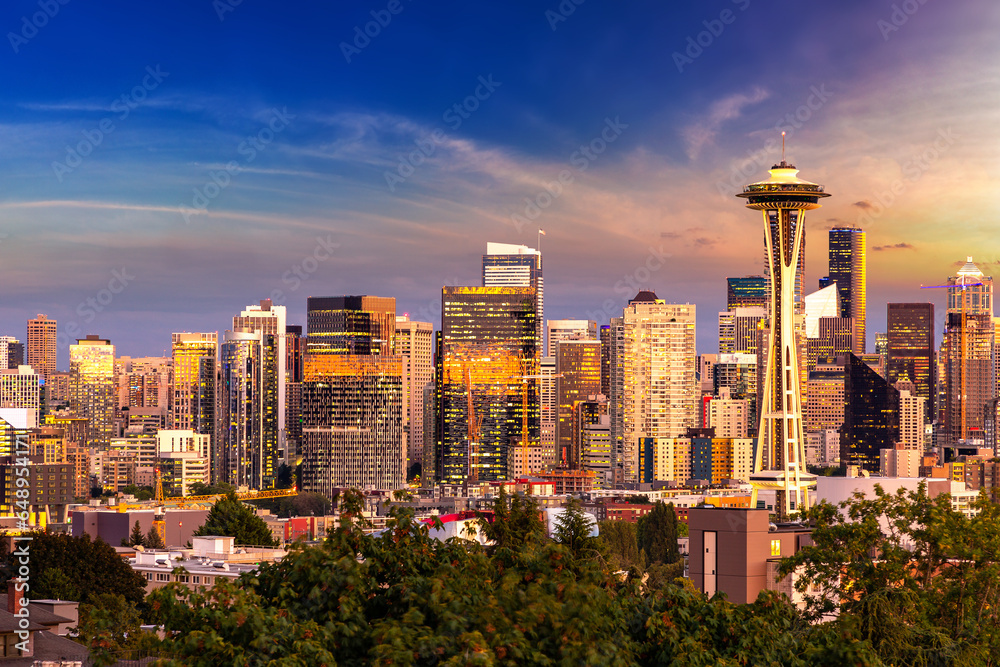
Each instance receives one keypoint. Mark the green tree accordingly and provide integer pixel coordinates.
(202, 489)
(285, 476)
(657, 534)
(231, 517)
(110, 625)
(135, 539)
(86, 569)
(621, 544)
(516, 521)
(573, 529)
(153, 539)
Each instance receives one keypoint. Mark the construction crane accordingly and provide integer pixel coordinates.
(960, 283)
(475, 424)
(158, 493)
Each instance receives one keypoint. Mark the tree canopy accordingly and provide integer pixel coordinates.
(657, 534)
(231, 517)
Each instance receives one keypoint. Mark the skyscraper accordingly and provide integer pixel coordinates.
(910, 349)
(848, 269)
(579, 364)
(245, 450)
(506, 265)
(489, 342)
(92, 388)
(657, 394)
(271, 320)
(194, 364)
(11, 352)
(20, 389)
(42, 337)
(970, 382)
(415, 344)
(350, 324)
(557, 330)
(746, 292)
(295, 350)
(783, 200)
(871, 416)
(352, 422)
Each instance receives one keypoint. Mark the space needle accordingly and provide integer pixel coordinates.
(779, 456)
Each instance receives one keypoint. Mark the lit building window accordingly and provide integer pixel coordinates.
(775, 547)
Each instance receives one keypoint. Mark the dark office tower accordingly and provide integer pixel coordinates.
(579, 364)
(488, 344)
(295, 349)
(245, 450)
(848, 268)
(606, 345)
(967, 350)
(871, 416)
(746, 292)
(352, 423)
(910, 349)
(15, 353)
(506, 265)
(350, 324)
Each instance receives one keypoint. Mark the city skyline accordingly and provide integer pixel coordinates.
(681, 126)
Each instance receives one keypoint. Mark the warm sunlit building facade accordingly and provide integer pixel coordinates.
(92, 388)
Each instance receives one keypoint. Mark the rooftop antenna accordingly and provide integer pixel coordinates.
(782, 148)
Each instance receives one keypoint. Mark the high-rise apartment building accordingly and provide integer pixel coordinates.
(352, 422)
(195, 362)
(488, 343)
(739, 330)
(783, 200)
(912, 417)
(849, 270)
(910, 349)
(245, 449)
(658, 393)
(507, 265)
(730, 417)
(11, 352)
(20, 389)
(548, 417)
(824, 407)
(557, 330)
(746, 292)
(269, 319)
(144, 382)
(295, 351)
(970, 381)
(42, 345)
(415, 344)
(92, 387)
(350, 324)
(578, 363)
(607, 343)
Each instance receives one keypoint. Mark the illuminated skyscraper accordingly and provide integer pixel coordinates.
(506, 265)
(352, 422)
(746, 292)
(194, 366)
(350, 324)
(657, 394)
(271, 320)
(579, 364)
(488, 343)
(42, 337)
(970, 381)
(557, 330)
(20, 389)
(783, 200)
(415, 344)
(245, 450)
(910, 349)
(849, 270)
(295, 350)
(92, 387)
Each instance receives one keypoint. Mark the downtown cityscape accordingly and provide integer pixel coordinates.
(365, 336)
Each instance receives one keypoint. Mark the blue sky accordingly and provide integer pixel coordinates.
(249, 158)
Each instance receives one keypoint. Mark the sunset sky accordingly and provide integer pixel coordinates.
(209, 152)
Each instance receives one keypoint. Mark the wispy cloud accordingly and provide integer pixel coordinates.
(703, 133)
(894, 246)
